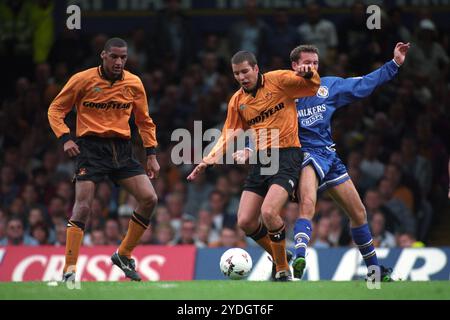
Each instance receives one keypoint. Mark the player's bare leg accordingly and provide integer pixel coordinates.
(346, 196)
(274, 201)
(84, 194)
(249, 221)
(141, 188)
(307, 194)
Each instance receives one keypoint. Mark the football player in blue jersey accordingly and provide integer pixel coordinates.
(322, 169)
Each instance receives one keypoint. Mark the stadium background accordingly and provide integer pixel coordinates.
(395, 143)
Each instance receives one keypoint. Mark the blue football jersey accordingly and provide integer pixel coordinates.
(314, 113)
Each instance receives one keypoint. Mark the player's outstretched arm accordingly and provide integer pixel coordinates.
(355, 88)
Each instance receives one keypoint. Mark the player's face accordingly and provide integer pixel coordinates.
(307, 58)
(246, 75)
(114, 60)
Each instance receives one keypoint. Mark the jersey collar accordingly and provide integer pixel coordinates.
(259, 84)
(102, 74)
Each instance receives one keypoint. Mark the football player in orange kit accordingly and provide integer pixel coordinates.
(104, 98)
(266, 102)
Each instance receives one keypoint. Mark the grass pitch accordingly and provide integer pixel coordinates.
(225, 290)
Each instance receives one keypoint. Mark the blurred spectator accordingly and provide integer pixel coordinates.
(408, 240)
(381, 237)
(125, 212)
(35, 215)
(250, 33)
(60, 234)
(9, 190)
(427, 60)
(147, 236)
(216, 208)
(393, 173)
(41, 233)
(282, 37)
(319, 32)
(197, 193)
(173, 35)
(398, 208)
(373, 203)
(416, 165)
(97, 44)
(370, 164)
(164, 234)
(322, 232)
(137, 51)
(16, 236)
(202, 235)
(104, 193)
(339, 234)
(228, 238)
(98, 237)
(355, 39)
(112, 232)
(42, 20)
(16, 30)
(65, 190)
(187, 233)
(30, 196)
(205, 219)
(175, 205)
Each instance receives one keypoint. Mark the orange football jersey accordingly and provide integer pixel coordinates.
(103, 107)
(273, 107)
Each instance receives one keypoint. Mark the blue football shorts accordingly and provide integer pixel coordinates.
(328, 166)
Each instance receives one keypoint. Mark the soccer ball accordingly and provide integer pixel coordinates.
(236, 263)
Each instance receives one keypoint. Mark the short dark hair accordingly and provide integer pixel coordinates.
(295, 53)
(115, 42)
(242, 56)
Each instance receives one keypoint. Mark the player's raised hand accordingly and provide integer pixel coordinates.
(304, 70)
(71, 148)
(197, 170)
(152, 167)
(400, 51)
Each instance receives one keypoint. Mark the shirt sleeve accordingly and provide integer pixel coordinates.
(229, 131)
(145, 124)
(296, 86)
(351, 89)
(62, 105)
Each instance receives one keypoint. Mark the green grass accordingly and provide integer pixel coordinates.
(235, 290)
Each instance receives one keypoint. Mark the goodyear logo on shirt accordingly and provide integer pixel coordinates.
(107, 105)
(265, 114)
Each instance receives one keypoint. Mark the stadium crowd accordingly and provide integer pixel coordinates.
(395, 143)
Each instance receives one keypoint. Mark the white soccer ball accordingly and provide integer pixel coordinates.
(236, 263)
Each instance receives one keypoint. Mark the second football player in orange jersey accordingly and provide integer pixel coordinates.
(104, 98)
(266, 101)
